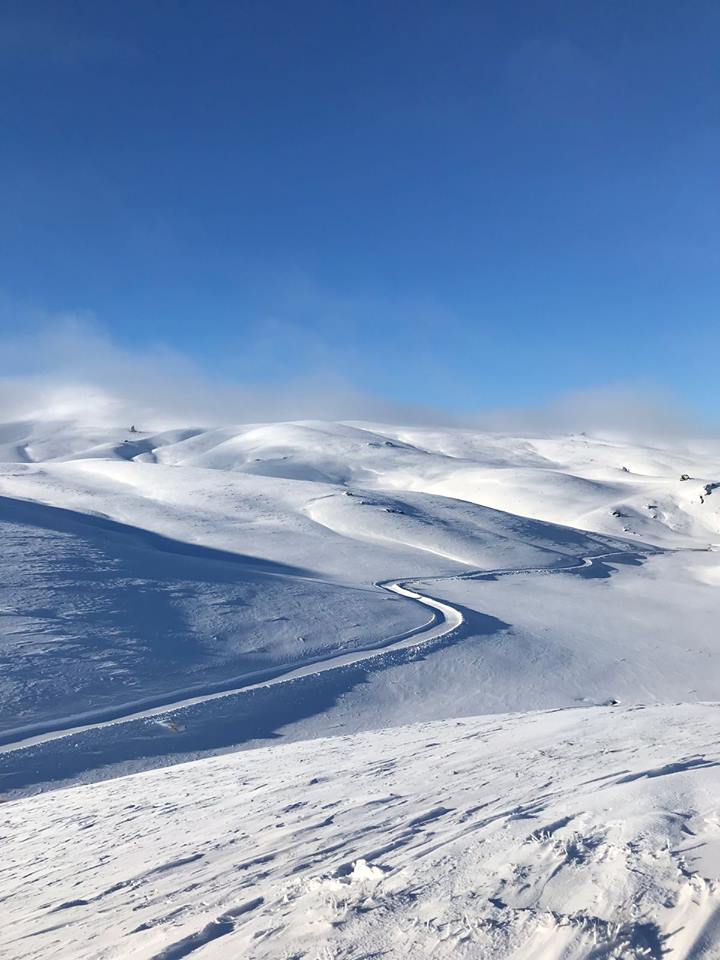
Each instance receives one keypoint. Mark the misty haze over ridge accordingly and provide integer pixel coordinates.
(69, 368)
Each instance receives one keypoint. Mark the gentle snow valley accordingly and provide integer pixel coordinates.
(342, 691)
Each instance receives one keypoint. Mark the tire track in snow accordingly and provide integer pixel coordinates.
(446, 619)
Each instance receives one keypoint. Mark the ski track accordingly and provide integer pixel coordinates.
(445, 620)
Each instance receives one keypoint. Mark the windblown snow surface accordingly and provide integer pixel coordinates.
(340, 691)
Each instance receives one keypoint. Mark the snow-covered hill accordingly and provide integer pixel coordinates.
(165, 595)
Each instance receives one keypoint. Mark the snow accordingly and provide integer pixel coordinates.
(95, 612)
(349, 690)
(566, 834)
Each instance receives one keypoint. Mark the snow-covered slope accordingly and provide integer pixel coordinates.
(96, 612)
(564, 835)
(165, 595)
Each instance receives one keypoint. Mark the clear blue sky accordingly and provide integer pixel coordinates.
(458, 203)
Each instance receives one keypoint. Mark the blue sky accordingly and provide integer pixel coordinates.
(456, 204)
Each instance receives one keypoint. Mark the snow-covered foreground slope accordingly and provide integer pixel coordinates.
(570, 834)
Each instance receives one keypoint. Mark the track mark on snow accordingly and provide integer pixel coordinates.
(220, 927)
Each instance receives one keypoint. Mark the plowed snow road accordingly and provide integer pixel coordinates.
(445, 620)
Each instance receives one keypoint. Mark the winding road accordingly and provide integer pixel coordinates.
(445, 620)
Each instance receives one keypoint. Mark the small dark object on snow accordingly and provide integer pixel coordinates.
(709, 487)
(625, 470)
(702, 499)
(617, 513)
(652, 506)
(132, 429)
(685, 476)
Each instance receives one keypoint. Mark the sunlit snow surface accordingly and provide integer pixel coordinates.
(164, 596)
(574, 833)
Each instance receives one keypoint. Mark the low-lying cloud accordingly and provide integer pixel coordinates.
(68, 368)
(618, 409)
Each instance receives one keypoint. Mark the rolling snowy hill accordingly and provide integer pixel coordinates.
(166, 595)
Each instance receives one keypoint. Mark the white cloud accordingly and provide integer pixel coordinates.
(619, 409)
(67, 367)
